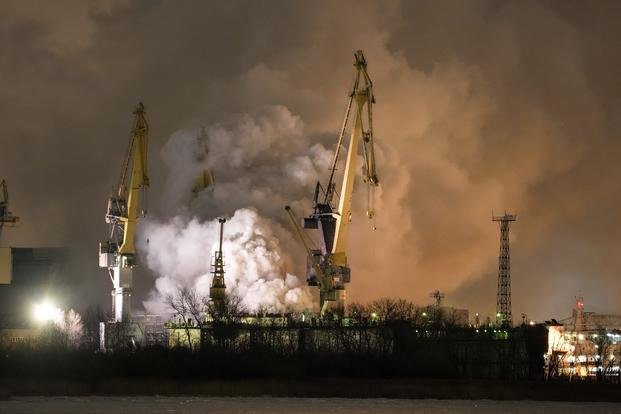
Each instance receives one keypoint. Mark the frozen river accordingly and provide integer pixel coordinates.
(183, 405)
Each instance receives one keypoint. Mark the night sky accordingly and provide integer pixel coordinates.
(482, 106)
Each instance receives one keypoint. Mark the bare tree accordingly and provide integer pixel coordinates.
(359, 314)
(607, 354)
(228, 311)
(70, 323)
(226, 315)
(65, 332)
(187, 307)
(386, 310)
(405, 310)
(195, 305)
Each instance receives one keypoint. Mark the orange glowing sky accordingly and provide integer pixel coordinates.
(481, 106)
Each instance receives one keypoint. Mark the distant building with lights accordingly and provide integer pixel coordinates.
(586, 344)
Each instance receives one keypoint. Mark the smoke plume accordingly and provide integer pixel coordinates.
(180, 252)
(260, 163)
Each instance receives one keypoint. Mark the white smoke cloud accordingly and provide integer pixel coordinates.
(260, 163)
(181, 250)
(263, 160)
(185, 157)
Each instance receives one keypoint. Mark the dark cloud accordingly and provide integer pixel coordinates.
(482, 106)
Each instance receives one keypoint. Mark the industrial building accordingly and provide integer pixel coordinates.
(27, 277)
(586, 344)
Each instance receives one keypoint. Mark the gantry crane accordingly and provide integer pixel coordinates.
(118, 253)
(327, 265)
(6, 217)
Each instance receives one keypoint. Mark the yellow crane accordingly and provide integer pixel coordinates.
(118, 253)
(327, 265)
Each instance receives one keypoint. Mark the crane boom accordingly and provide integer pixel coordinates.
(363, 96)
(117, 254)
(139, 179)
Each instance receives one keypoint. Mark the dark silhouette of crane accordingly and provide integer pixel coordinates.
(6, 217)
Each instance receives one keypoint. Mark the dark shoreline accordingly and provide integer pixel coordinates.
(323, 388)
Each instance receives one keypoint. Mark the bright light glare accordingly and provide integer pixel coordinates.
(45, 312)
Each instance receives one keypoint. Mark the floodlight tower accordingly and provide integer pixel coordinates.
(503, 298)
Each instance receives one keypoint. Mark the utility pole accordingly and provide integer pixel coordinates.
(503, 297)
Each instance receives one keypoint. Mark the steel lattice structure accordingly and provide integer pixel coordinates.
(503, 297)
(218, 288)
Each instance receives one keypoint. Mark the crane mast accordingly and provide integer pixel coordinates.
(218, 287)
(118, 253)
(327, 266)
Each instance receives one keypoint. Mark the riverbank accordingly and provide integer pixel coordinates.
(441, 389)
(269, 405)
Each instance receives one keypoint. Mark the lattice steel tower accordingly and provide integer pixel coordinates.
(217, 289)
(503, 298)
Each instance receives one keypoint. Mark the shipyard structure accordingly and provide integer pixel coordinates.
(584, 345)
(434, 338)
